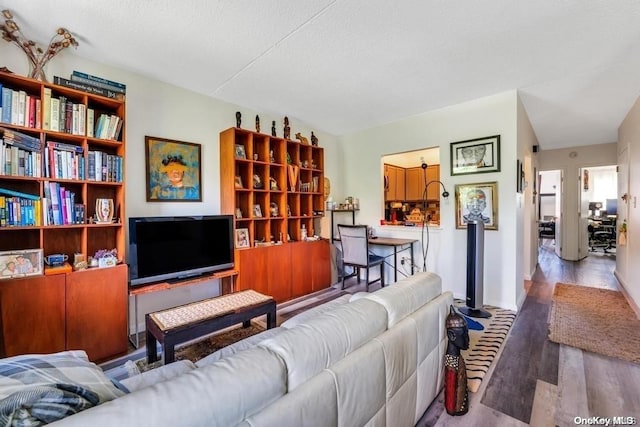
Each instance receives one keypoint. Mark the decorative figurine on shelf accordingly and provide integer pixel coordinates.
(302, 139)
(238, 119)
(273, 209)
(273, 184)
(273, 128)
(287, 129)
(37, 56)
(314, 140)
(456, 395)
(257, 123)
(271, 157)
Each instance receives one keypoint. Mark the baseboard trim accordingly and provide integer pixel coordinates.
(623, 289)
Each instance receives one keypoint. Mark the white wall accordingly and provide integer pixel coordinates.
(162, 110)
(585, 156)
(628, 257)
(478, 118)
(527, 203)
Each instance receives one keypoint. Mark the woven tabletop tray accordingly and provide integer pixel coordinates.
(193, 312)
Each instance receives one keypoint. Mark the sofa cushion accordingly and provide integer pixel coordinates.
(406, 296)
(241, 345)
(218, 395)
(312, 312)
(38, 389)
(327, 338)
(161, 373)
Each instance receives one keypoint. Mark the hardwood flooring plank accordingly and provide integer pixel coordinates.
(612, 386)
(517, 369)
(572, 389)
(479, 416)
(549, 362)
(544, 404)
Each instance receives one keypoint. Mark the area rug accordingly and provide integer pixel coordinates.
(485, 343)
(594, 319)
(197, 350)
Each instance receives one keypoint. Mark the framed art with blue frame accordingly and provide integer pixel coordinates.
(173, 170)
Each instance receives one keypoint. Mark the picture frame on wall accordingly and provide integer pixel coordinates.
(21, 263)
(242, 238)
(479, 155)
(477, 202)
(173, 170)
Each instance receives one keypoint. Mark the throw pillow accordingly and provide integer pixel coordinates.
(66, 379)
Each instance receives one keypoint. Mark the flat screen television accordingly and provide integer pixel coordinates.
(173, 248)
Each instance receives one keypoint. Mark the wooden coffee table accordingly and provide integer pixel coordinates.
(186, 322)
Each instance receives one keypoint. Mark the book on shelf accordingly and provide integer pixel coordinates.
(8, 192)
(89, 88)
(98, 81)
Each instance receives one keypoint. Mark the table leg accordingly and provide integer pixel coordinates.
(412, 258)
(246, 323)
(152, 353)
(271, 319)
(168, 350)
(395, 263)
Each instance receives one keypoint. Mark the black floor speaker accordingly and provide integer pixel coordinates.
(475, 270)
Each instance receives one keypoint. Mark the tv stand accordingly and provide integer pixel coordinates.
(227, 285)
(189, 277)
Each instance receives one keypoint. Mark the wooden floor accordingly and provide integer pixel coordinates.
(540, 383)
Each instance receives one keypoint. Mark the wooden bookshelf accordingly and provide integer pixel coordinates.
(71, 234)
(264, 165)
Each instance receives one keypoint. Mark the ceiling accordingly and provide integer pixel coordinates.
(343, 66)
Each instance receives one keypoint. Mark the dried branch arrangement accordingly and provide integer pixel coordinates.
(37, 56)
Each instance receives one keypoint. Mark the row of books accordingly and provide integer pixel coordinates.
(58, 114)
(60, 205)
(57, 207)
(19, 154)
(17, 107)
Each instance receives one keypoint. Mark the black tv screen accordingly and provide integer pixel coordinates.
(178, 247)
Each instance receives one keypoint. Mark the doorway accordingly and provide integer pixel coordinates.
(550, 211)
(598, 195)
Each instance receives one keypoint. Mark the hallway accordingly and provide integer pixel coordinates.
(540, 383)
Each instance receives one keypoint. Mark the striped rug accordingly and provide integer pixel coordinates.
(485, 344)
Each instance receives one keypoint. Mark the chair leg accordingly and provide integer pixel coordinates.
(343, 274)
(357, 269)
(367, 277)
(382, 275)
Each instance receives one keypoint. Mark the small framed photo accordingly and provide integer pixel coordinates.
(240, 153)
(21, 263)
(238, 182)
(257, 211)
(475, 156)
(477, 202)
(242, 238)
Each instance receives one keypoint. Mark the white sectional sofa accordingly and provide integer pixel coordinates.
(367, 359)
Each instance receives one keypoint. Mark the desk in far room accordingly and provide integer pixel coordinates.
(398, 245)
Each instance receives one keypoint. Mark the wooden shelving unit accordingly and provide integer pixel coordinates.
(84, 289)
(266, 170)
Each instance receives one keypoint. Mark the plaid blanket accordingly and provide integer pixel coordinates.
(38, 389)
(39, 405)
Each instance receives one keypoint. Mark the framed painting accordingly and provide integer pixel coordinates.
(173, 170)
(242, 238)
(475, 155)
(477, 202)
(21, 263)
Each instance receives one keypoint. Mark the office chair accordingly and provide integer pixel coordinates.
(355, 252)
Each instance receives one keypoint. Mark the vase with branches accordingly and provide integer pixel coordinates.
(37, 56)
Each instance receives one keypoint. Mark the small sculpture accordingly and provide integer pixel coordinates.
(273, 128)
(302, 139)
(287, 129)
(314, 140)
(456, 395)
(238, 119)
(257, 123)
